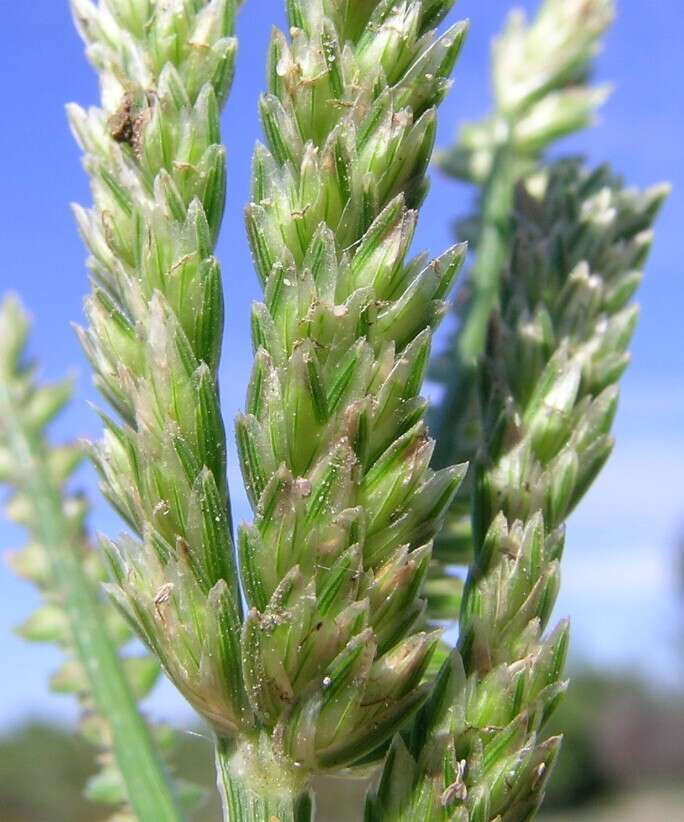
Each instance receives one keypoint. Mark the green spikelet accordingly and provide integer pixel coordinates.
(61, 563)
(333, 444)
(158, 177)
(542, 71)
(556, 350)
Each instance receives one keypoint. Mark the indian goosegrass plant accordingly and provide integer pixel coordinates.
(302, 637)
(323, 666)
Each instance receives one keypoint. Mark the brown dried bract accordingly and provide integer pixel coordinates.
(122, 123)
(127, 123)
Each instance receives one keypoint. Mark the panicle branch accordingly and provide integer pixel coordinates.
(556, 350)
(542, 93)
(334, 448)
(158, 177)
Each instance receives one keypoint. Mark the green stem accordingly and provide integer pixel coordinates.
(493, 250)
(149, 790)
(255, 786)
(492, 256)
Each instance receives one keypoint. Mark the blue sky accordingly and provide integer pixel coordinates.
(619, 584)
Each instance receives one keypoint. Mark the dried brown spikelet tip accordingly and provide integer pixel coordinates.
(127, 123)
(121, 124)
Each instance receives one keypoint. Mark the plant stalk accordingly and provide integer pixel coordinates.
(256, 787)
(149, 790)
(493, 249)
